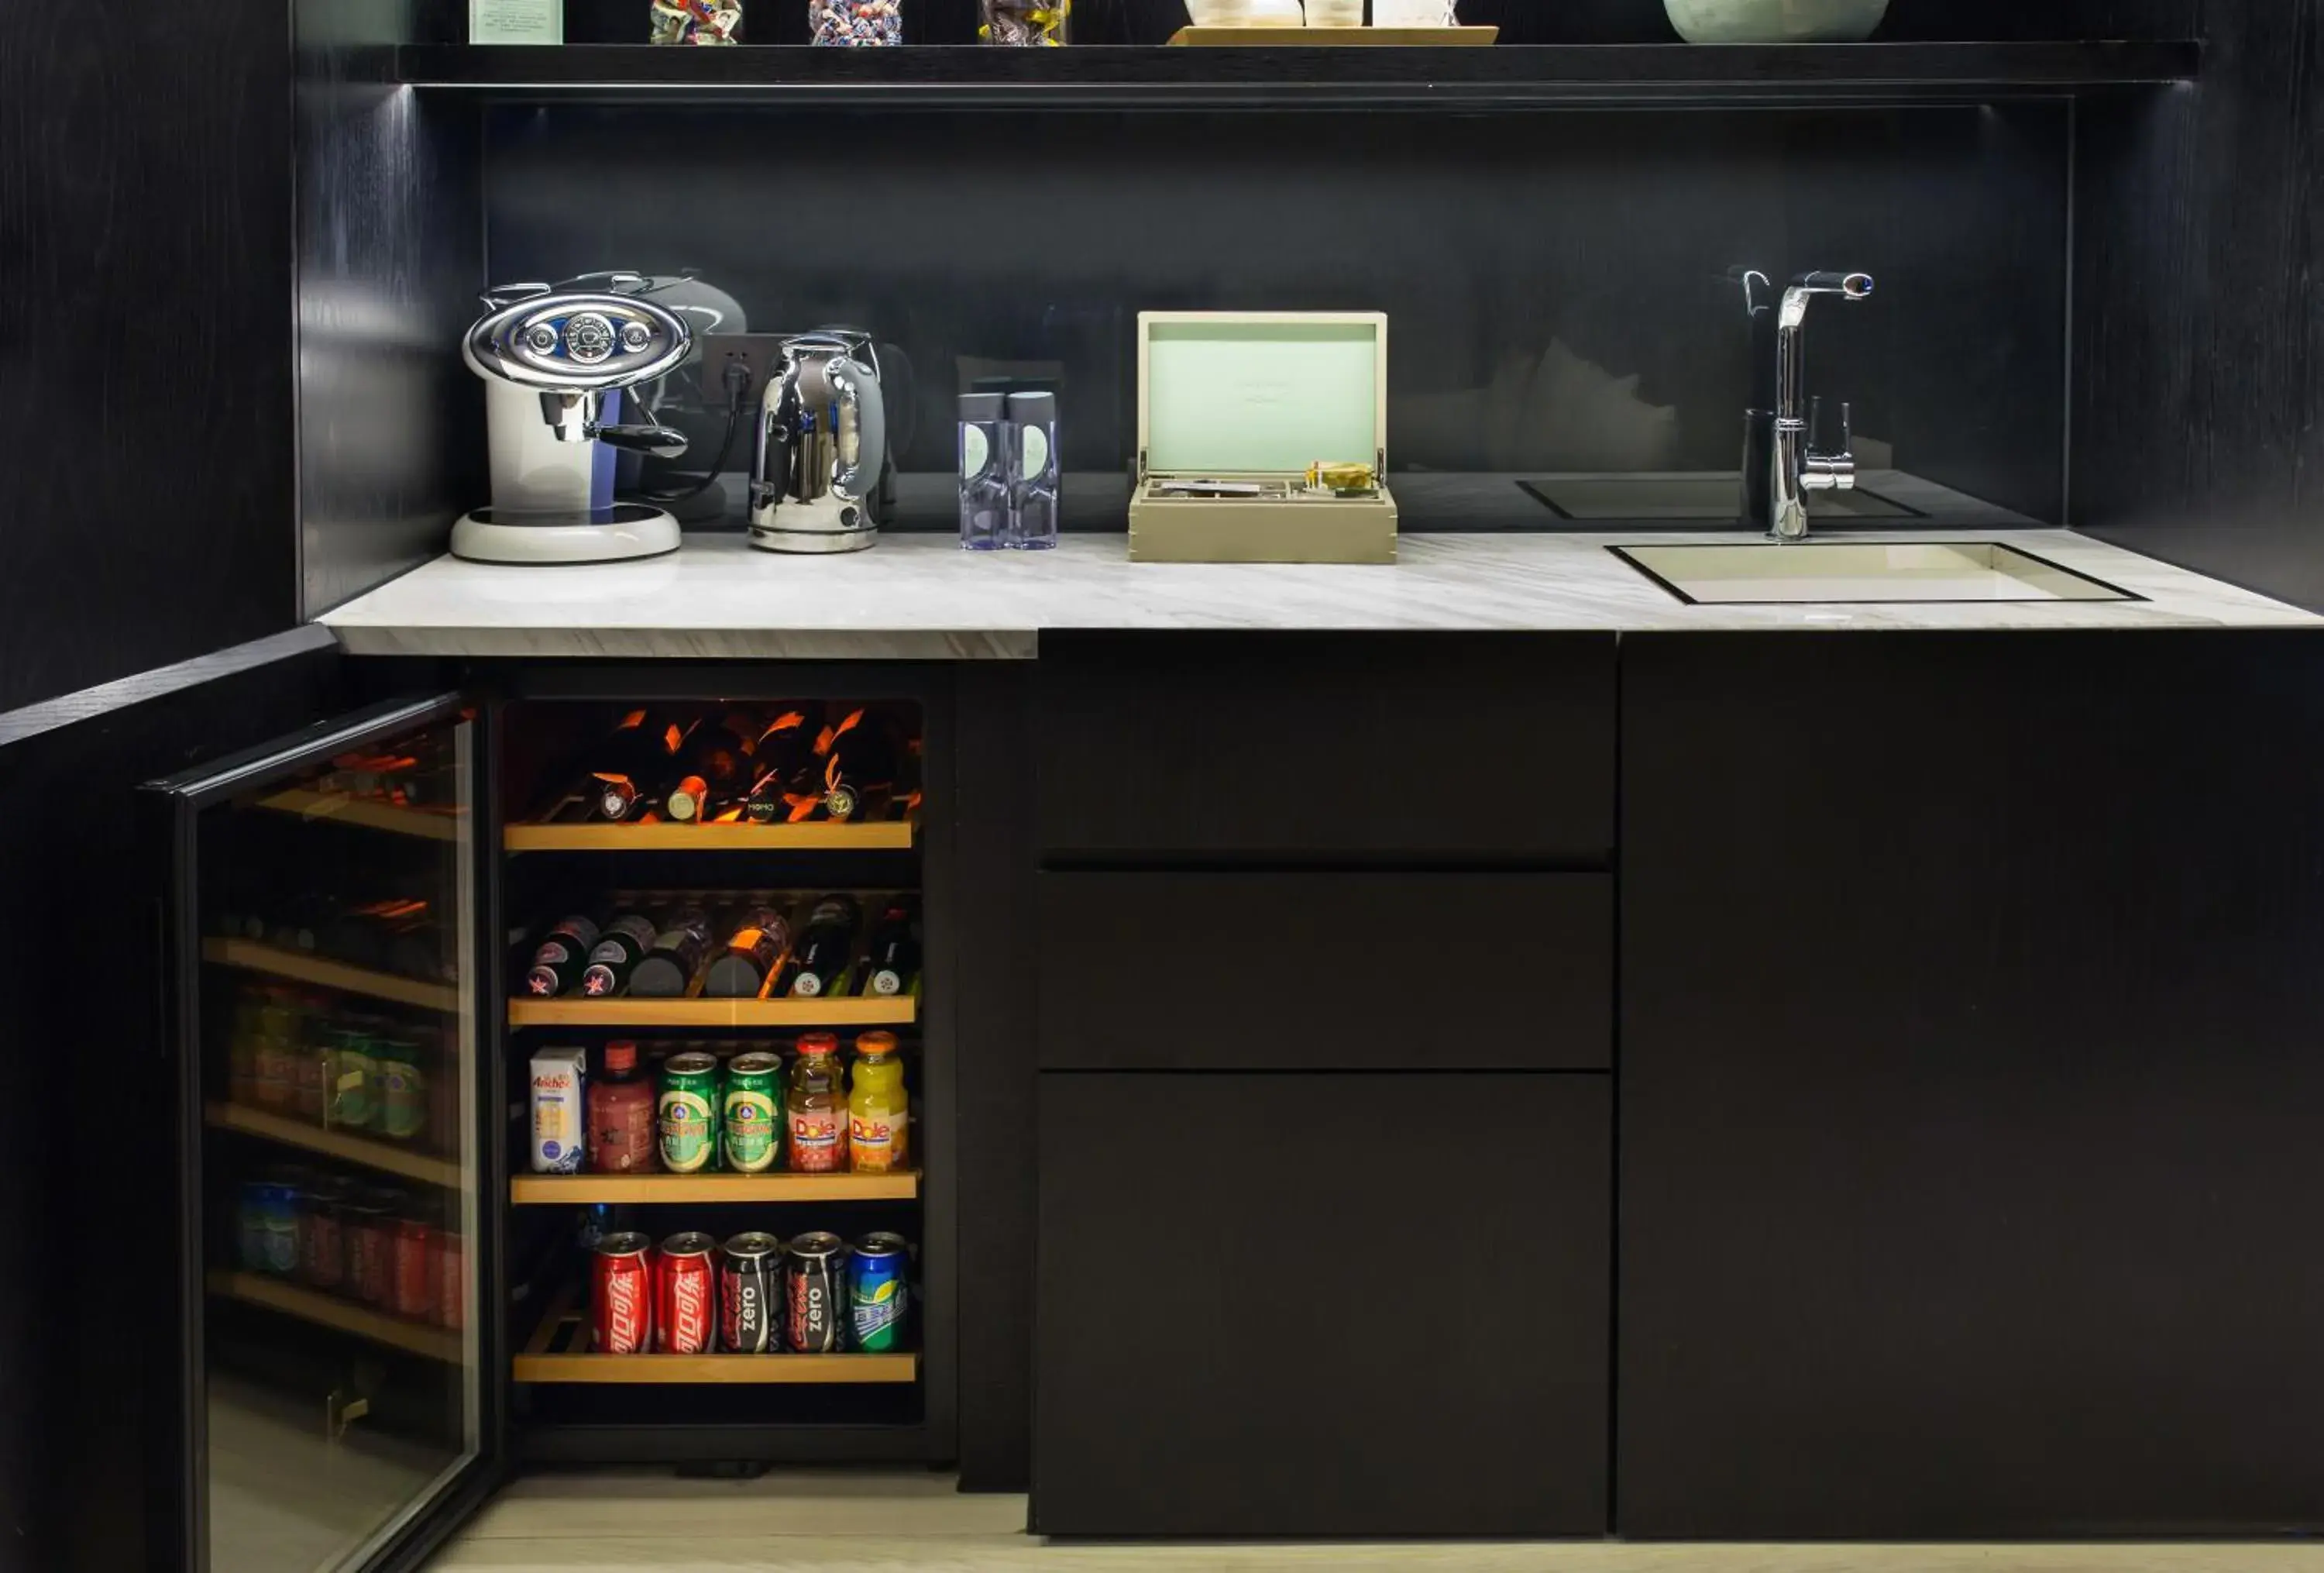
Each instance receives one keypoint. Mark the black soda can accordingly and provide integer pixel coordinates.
(751, 1295)
(816, 1295)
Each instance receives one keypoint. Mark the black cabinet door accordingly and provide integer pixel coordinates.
(1972, 1057)
(1326, 971)
(1321, 1305)
(1316, 746)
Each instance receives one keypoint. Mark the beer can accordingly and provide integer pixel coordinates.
(371, 1247)
(876, 1293)
(754, 1113)
(621, 1296)
(686, 1296)
(813, 1283)
(751, 1295)
(689, 1112)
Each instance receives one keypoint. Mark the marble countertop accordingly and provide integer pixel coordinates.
(920, 597)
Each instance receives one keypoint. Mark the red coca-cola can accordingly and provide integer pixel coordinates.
(621, 1296)
(685, 1299)
(451, 1280)
(414, 1291)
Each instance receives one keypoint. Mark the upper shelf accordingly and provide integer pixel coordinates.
(1114, 78)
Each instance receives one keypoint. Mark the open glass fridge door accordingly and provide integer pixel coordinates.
(324, 927)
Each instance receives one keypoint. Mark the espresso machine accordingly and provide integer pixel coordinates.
(821, 478)
(555, 360)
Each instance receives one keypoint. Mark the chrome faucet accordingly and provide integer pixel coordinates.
(1795, 467)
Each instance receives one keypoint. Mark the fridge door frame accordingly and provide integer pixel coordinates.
(178, 1443)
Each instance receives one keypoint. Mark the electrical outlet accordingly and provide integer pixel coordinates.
(759, 352)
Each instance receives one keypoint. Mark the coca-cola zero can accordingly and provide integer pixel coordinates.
(751, 1295)
(686, 1296)
(815, 1294)
(621, 1296)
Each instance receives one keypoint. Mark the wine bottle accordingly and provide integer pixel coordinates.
(758, 943)
(618, 950)
(859, 767)
(667, 970)
(826, 948)
(634, 764)
(893, 961)
(558, 959)
(786, 772)
(714, 766)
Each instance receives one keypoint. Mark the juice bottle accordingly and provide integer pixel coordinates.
(876, 1106)
(817, 1106)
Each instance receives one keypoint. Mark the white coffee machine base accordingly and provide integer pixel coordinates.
(615, 534)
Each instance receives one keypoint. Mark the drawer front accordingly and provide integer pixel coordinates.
(1451, 745)
(1157, 971)
(1259, 1314)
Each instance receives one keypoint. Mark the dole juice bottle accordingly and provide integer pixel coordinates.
(876, 1106)
(817, 1105)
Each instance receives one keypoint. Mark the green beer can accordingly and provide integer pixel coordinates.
(754, 1113)
(688, 1111)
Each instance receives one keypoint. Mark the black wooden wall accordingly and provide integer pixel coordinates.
(2199, 345)
(146, 341)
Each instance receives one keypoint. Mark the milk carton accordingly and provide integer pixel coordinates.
(559, 1079)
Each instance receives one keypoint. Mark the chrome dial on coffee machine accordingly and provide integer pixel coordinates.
(822, 451)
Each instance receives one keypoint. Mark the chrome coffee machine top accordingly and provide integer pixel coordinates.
(822, 449)
(554, 360)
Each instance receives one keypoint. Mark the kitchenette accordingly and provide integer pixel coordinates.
(1491, 775)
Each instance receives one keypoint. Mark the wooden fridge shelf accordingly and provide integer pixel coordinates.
(383, 1156)
(342, 809)
(298, 967)
(329, 1311)
(583, 1189)
(867, 836)
(711, 1016)
(558, 1351)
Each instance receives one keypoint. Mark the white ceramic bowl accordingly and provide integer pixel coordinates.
(1774, 20)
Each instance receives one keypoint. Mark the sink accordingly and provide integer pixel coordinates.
(1836, 572)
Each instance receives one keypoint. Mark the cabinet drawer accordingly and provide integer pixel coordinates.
(1159, 971)
(1307, 744)
(1263, 1312)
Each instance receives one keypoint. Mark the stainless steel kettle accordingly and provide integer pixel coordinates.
(822, 449)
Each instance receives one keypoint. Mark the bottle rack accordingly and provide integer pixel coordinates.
(577, 1400)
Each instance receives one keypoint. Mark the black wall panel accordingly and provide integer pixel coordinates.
(2199, 392)
(145, 352)
(1555, 282)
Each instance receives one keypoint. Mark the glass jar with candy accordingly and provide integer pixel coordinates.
(855, 24)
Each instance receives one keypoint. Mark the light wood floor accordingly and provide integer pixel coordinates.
(793, 1521)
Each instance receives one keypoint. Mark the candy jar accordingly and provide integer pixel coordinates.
(1036, 23)
(857, 24)
(696, 21)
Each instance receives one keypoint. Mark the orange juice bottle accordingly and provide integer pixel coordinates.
(876, 1112)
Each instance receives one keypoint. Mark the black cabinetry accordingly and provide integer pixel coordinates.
(1325, 941)
(1969, 1025)
(1321, 1305)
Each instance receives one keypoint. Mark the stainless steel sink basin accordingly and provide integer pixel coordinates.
(1843, 572)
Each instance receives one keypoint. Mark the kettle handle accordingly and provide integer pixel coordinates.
(855, 473)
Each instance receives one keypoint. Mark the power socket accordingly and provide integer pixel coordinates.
(759, 352)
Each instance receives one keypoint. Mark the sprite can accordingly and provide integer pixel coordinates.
(754, 1113)
(876, 1293)
(689, 1113)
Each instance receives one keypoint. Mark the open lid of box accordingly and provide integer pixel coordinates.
(1257, 392)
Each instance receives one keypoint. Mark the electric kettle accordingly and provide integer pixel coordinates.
(554, 361)
(821, 456)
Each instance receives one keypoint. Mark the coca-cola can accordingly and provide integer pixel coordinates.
(815, 1294)
(621, 1296)
(751, 1295)
(686, 1296)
